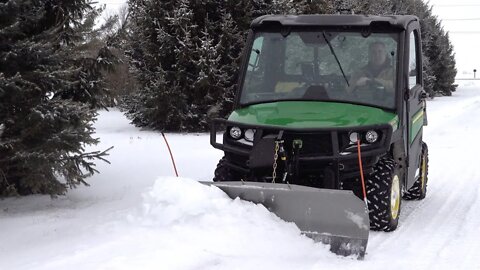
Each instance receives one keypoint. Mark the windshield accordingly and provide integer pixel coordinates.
(349, 67)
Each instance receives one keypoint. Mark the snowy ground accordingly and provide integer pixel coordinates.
(136, 215)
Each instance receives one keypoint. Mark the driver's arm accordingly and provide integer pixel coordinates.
(354, 80)
(386, 79)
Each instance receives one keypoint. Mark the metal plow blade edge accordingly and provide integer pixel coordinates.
(334, 217)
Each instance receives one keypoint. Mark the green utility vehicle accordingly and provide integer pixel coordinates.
(328, 123)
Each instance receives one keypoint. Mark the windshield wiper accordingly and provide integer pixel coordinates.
(336, 58)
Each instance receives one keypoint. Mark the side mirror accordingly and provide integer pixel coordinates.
(423, 95)
(412, 73)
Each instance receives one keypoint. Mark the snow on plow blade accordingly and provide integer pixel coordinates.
(334, 217)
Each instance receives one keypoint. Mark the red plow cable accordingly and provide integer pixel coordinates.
(171, 156)
(361, 173)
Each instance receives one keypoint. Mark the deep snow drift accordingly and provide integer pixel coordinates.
(136, 215)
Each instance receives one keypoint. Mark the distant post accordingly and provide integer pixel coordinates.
(474, 73)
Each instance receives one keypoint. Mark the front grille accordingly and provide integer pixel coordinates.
(318, 144)
(313, 143)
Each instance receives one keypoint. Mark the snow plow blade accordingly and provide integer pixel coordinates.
(334, 217)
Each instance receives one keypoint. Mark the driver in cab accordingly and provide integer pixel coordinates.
(378, 72)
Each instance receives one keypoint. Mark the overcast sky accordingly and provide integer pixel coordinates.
(460, 18)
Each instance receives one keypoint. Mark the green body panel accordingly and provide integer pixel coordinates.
(416, 124)
(313, 114)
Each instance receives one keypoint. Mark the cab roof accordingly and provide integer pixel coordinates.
(328, 20)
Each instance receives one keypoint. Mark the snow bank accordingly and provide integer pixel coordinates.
(183, 224)
(174, 200)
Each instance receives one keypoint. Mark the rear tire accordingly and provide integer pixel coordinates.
(419, 189)
(384, 195)
(224, 173)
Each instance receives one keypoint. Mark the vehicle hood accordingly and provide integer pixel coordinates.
(312, 114)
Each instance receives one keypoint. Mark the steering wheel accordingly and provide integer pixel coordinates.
(371, 88)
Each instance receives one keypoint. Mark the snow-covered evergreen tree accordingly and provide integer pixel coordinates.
(309, 7)
(229, 47)
(91, 56)
(161, 45)
(196, 46)
(44, 126)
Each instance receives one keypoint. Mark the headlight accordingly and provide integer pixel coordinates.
(235, 132)
(354, 137)
(371, 136)
(249, 134)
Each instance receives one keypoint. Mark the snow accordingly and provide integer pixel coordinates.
(112, 6)
(357, 220)
(137, 215)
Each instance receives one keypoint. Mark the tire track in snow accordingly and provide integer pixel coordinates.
(462, 176)
(442, 218)
(464, 218)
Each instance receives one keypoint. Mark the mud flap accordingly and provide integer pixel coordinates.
(334, 217)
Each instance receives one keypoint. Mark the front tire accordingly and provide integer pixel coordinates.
(384, 195)
(224, 173)
(419, 189)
